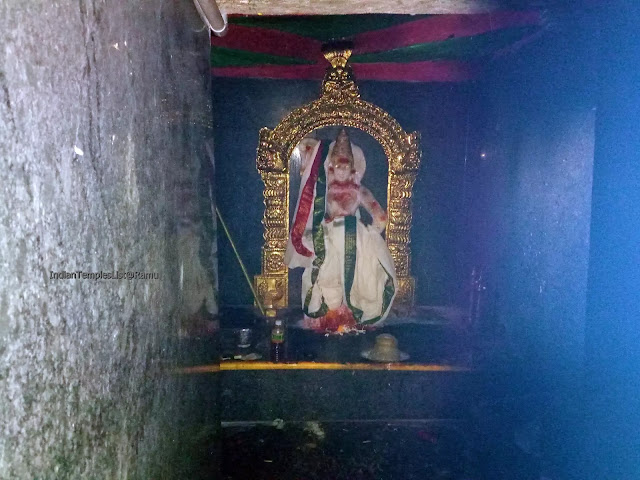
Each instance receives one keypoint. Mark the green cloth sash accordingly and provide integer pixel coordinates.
(350, 251)
(387, 296)
(318, 235)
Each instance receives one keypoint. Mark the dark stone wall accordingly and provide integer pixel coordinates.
(99, 103)
(613, 307)
(530, 214)
(531, 198)
(614, 276)
(440, 112)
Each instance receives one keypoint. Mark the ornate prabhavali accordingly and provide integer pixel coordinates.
(339, 105)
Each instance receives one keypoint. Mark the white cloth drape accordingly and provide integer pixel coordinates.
(374, 264)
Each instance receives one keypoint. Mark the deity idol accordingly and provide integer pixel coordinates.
(349, 278)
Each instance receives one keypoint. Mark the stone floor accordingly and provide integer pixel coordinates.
(349, 451)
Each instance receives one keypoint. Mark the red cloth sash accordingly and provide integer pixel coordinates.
(304, 207)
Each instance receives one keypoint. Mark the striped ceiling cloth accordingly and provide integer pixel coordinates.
(409, 48)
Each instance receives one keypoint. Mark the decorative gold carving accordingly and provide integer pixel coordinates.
(340, 104)
(337, 57)
(401, 259)
(339, 84)
(406, 291)
(273, 291)
(273, 262)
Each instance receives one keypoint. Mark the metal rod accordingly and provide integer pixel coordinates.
(244, 270)
(210, 13)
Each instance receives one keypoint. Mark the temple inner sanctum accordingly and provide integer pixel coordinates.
(319, 240)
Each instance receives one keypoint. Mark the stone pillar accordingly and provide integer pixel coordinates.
(95, 100)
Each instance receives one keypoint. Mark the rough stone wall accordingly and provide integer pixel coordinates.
(98, 102)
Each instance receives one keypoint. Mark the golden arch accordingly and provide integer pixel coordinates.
(340, 104)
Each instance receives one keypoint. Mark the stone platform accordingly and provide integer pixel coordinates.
(325, 378)
(349, 392)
